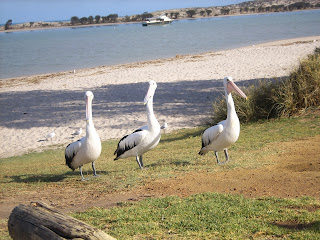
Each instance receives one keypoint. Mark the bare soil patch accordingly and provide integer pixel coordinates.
(295, 173)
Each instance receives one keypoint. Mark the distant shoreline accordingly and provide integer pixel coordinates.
(58, 24)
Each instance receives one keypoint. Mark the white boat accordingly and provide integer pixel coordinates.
(157, 21)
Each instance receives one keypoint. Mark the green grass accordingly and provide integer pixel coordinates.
(177, 154)
(209, 216)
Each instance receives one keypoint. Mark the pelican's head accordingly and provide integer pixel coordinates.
(230, 86)
(89, 94)
(151, 91)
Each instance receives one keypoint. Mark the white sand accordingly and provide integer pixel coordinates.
(32, 107)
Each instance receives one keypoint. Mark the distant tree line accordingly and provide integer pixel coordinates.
(111, 18)
(279, 8)
(246, 7)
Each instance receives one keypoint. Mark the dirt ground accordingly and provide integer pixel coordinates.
(296, 173)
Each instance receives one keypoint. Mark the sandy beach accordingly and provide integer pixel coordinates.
(33, 106)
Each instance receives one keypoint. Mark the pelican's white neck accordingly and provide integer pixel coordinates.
(89, 126)
(231, 114)
(149, 106)
(152, 121)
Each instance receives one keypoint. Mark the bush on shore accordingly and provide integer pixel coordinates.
(281, 98)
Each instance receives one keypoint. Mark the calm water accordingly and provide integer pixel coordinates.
(44, 51)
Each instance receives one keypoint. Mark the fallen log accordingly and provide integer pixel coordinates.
(39, 221)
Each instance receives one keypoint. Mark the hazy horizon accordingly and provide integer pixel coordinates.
(47, 10)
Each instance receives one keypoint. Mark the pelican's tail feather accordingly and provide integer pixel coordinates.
(203, 151)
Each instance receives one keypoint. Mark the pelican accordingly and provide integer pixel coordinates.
(144, 138)
(219, 137)
(88, 148)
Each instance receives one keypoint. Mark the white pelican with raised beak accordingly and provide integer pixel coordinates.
(219, 137)
(88, 148)
(144, 138)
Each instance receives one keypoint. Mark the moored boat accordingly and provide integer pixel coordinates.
(157, 21)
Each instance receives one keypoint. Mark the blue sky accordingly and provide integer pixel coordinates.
(50, 10)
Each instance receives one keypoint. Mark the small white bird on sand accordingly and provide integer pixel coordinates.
(78, 132)
(50, 136)
(164, 126)
(144, 138)
(226, 132)
(88, 148)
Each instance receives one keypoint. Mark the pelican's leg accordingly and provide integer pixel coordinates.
(141, 161)
(138, 161)
(226, 154)
(82, 178)
(94, 170)
(216, 153)
(227, 157)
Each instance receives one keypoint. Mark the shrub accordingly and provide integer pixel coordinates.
(282, 97)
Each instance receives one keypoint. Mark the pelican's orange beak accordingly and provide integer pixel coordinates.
(233, 87)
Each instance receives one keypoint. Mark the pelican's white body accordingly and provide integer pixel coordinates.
(219, 137)
(144, 138)
(222, 135)
(87, 149)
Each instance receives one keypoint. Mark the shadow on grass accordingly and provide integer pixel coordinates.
(294, 225)
(184, 136)
(46, 178)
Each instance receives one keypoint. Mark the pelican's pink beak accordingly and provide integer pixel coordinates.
(148, 96)
(87, 108)
(231, 86)
(150, 93)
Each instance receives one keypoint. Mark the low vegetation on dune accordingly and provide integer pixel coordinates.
(279, 98)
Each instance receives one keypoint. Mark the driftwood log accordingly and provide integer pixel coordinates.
(39, 221)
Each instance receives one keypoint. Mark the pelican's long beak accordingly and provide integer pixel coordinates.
(148, 95)
(233, 87)
(87, 108)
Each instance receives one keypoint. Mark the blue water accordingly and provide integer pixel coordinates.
(44, 51)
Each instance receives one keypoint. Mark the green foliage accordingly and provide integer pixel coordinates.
(286, 97)
(146, 15)
(75, 20)
(209, 216)
(97, 18)
(83, 20)
(302, 89)
(191, 13)
(8, 24)
(225, 11)
(90, 19)
(299, 5)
